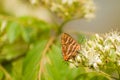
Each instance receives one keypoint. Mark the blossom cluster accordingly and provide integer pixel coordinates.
(100, 50)
(71, 9)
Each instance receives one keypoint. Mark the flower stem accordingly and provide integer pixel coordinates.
(7, 75)
(61, 26)
(118, 70)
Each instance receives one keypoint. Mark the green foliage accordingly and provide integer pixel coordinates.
(39, 24)
(17, 67)
(22, 45)
(32, 60)
(81, 38)
(1, 75)
(58, 69)
(30, 52)
(30, 47)
(13, 31)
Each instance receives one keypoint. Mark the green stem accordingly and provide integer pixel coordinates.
(103, 74)
(42, 65)
(61, 26)
(118, 70)
(7, 75)
(108, 76)
(63, 23)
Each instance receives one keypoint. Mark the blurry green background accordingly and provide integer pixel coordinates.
(30, 49)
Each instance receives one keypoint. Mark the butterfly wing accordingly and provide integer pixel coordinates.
(69, 47)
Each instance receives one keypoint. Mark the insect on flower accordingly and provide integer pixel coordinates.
(70, 47)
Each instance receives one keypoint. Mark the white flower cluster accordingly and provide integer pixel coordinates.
(71, 9)
(88, 9)
(69, 2)
(100, 50)
(112, 41)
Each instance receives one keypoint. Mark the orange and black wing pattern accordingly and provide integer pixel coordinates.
(69, 46)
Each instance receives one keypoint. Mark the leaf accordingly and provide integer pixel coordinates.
(34, 22)
(31, 62)
(42, 25)
(81, 38)
(17, 69)
(91, 76)
(98, 78)
(1, 75)
(83, 76)
(13, 30)
(11, 51)
(25, 34)
(57, 69)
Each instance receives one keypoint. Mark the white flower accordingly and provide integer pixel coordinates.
(89, 10)
(113, 36)
(33, 1)
(54, 7)
(118, 53)
(91, 43)
(84, 52)
(95, 65)
(118, 48)
(78, 58)
(118, 62)
(70, 2)
(94, 58)
(107, 47)
(71, 65)
(94, 51)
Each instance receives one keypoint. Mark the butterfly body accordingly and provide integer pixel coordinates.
(70, 47)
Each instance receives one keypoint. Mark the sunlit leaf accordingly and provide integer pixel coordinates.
(31, 63)
(17, 69)
(10, 51)
(13, 30)
(1, 75)
(81, 38)
(58, 69)
(25, 34)
(40, 24)
(98, 78)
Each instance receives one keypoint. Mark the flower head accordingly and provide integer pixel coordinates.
(71, 9)
(95, 51)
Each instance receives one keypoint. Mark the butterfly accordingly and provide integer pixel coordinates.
(70, 47)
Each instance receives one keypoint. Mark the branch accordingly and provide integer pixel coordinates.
(106, 75)
(42, 62)
(109, 77)
(118, 70)
(19, 56)
(13, 59)
(61, 27)
(8, 77)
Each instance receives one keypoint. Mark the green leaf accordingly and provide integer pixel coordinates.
(57, 69)
(25, 34)
(98, 78)
(34, 22)
(1, 75)
(83, 76)
(31, 63)
(17, 69)
(42, 25)
(10, 51)
(13, 31)
(81, 38)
